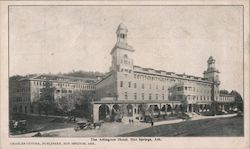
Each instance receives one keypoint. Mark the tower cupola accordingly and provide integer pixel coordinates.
(121, 33)
(211, 63)
(211, 73)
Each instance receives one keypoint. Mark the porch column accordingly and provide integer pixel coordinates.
(95, 114)
(110, 109)
(166, 109)
(223, 107)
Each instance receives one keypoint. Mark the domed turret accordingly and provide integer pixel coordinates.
(122, 27)
(211, 64)
(121, 33)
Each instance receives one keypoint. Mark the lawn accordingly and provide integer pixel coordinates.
(233, 126)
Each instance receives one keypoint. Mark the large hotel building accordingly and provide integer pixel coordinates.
(126, 86)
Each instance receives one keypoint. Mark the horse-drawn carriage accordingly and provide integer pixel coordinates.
(18, 125)
(85, 125)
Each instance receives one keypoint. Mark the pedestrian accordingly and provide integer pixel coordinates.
(152, 123)
(132, 121)
(129, 121)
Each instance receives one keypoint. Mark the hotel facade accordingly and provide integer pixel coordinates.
(128, 88)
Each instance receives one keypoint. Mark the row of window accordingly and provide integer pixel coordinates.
(226, 98)
(20, 109)
(20, 99)
(37, 83)
(157, 97)
(126, 70)
(148, 77)
(198, 98)
(64, 91)
(156, 78)
(126, 62)
(129, 85)
(121, 36)
(193, 89)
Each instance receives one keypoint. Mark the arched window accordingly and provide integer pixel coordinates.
(125, 56)
(25, 109)
(20, 109)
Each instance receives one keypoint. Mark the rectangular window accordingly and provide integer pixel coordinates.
(162, 96)
(150, 96)
(64, 91)
(134, 85)
(135, 96)
(126, 95)
(121, 84)
(142, 86)
(156, 96)
(142, 96)
(129, 84)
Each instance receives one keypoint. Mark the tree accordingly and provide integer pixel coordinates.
(46, 102)
(224, 92)
(82, 103)
(214, 107)
(81, 73)
(76, 104)
(66, 105)
(238, 100)
(184, 105)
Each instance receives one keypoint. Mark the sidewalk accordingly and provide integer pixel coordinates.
(192, 119)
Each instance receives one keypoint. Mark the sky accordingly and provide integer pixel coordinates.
(52, 39)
